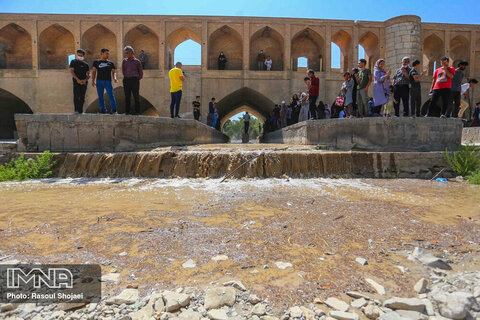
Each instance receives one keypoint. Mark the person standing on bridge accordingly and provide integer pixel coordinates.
(401, 89)
(176, 80)
(143, 58)
(260, 60)
(102, 71)
(246, 122)
(132, 74)
(80, 74)
(364, 79)
(222, 61)
(441, 87)
(313, 91)
(196, 108)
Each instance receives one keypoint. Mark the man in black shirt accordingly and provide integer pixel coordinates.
(196, 108)
(103, 69)
(80, 74)
(210, 113)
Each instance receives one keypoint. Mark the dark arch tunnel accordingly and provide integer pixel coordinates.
(9, 105)
(146, 108)
(244, 97)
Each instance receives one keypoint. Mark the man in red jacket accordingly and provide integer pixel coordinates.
(441, 87)
(313, 88)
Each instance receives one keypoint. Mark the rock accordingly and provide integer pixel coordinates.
(457, 305)
(357, 295)
(362, 261)
(253, 299)
(218, 297)
(337, 304)
(189, 264)
(175, 300)
(71, 306)
(413, 304)
(308, 314)
(143, 314)
(340, 315)
(122, 254)
(359, 303)
(236, 284)
(127, 296)
(254, 317)
(268, 318)
(283, 265)
(111, 277)
(295, 312)
(429, 259)
(259, 309)
(190, 315)
(319, 312)
(421, 286)
(159, 305)
(217, 314)
(429, 307)
(372, 311)
(378, 287)
(391, 316)
(412, 315)
(220, 257)
(7, 307)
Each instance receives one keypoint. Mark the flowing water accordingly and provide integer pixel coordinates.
(318, 225)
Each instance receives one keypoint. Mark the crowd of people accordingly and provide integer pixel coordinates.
(353, 100)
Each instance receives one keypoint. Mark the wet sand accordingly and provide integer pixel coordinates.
(318, 225)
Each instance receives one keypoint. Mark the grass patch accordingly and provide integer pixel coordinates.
(465, 161)
(23, 169)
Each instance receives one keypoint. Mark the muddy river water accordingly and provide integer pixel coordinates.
(147, 228)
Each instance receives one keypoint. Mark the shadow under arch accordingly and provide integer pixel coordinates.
(146, 108)
(253, 101)
(10, 104)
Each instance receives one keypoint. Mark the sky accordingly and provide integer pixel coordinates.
(440, 11)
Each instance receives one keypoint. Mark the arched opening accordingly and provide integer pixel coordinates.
(433, 50)
(369, 42)
(309, 44)
(361, 52)
(55, 45)
(271, 42)
(10, 105)
(244, 99)
(96, 38)
(344, 41)
(143, 38)
(146, 108)
(15, 48)
(234, 127)
(336, 56)
(177, 37)
(459, 50)
(302, 63)
(228, 41)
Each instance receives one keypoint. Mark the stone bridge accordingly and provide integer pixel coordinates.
(34, 50)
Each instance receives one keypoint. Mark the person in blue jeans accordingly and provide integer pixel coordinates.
(102, 71)
(215, 115)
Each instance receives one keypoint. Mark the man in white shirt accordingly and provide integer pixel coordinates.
(463, 91)
(246, 121)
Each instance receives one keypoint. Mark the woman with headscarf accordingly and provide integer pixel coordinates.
(305, 108)
(347, 91)
(295, 104)
(381, 85)
(222, 61)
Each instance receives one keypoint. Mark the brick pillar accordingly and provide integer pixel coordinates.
(328, 48)
(246, 45)
(402, 38)
(288, 49)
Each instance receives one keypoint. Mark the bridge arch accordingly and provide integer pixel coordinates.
(229, 41)
(10, 105)
(344, 41)
(369, 41)
(146, 108)
(459, 50)
(271, 42)
(244, 99)
(142, 37)
(96, 38)
(15, 47)
(55, 45)
(433, 50)
(308, 44)
(174, 39)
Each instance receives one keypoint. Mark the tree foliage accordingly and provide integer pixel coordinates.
(22, 169)
(234, 128)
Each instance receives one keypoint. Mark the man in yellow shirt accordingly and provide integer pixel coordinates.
(176, 80)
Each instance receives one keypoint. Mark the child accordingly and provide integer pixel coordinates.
(196, 108)
(328, 112)
(387, 108)
(341, 114)
(370, 107)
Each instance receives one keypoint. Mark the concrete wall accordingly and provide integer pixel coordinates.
(108, 133)
(377, 134)
(29, 41)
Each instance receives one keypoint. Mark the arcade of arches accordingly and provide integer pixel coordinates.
(34, 50)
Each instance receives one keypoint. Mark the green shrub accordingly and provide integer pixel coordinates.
(464, 161)
(22, 169)
(474, 178)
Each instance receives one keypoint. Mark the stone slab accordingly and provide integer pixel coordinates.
(109, 133)
(471, 136)
(374, 134)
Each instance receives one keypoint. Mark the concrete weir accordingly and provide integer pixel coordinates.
(270, 162)
(374, 134)
(108, 133)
